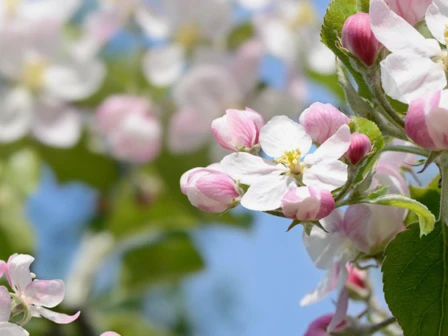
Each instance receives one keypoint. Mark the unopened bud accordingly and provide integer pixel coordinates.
(237, 129)
(209, 189)
(358, 38)
(307, 203)
(360, 146)
(426, 121)
(357, 284)
(321, 121)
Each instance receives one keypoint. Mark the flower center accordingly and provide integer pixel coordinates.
(291, 159)
(305, 16)
(33, 74)
(11, 7)
(188, 35)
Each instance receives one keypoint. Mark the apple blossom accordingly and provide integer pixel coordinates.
(426, 121)
(416, 65)
(358, 38)
(6, 328)
(321, 121)
(238, 129)
(287, 142)
(210, 189)
(307, 203)
(319, 326)
(131, 128)
(357, 283)
(360, 146)
(38, 295)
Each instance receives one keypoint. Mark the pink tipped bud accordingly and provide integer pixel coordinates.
(360, 146)
(427, 121)
(321, 121)
(209, 189)
(307, 203)
(130, 127)
(319, 326)
(238, 129)
(357, 283)
(412, 11)
(358, 38)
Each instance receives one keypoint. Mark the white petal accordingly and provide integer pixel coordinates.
(406, 77)
(325, 286)
(341, 309)
(56, 317)
(11, 329)
(267, 193)
(328, 175)
(5, 304)
(57, 125)
(333, 148)
(282, 134)
(19, 273)
(254, 4)
(154, 24)
(437, 19)
(272, 102)
(164, 65)
(45, 293)
(72, 81)
(49, 9)
(16, 114)
(396, 34)
(248, 168)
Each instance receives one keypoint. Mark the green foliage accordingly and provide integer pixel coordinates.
(165, 257)
(415, 274)
(337, 13)
(239, 35)
(132, 324)
(363, 5)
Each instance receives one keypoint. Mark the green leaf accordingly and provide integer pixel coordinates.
(363, 5)
(240, 34)
(337, 13)
(131, 324)
(425, 216)
(415, 277)
(167, 257)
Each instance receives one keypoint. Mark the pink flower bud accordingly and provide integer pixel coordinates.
(358, 38)
(360, 146)
(321, 121)
(209, 189)
(238, 129)
(357, 283)
(130, 127)
(307, 203)
(427, 121)
(319, 326)
(412, 11)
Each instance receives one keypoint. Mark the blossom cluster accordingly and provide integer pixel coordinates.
(29, 297)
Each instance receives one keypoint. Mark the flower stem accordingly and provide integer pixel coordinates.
(377, 327)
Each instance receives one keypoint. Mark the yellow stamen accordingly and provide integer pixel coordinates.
(291, 159)
(188, 35)
(306, 15)
(33, 74)
(12, 6)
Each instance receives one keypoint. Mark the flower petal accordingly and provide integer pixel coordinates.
(333, 148)
(406, 77)
(46, 293)
(437, 19)
(282, 134)
(56, 317)
(16, 114)
(73, 80)
(248, 168)
(5, 304)
(341, 310)
(19, 274)
(267, 193)
(356, 225)
(57, 125)
(325, 286)
(164, 65)
(328, 175)
(396, 34)
(11, 329)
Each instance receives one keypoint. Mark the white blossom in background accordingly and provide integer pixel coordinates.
(416, 65)
(42, 78)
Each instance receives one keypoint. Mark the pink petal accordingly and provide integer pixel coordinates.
(56, 317)
(46, 293)
(19, 275)
(5, 304)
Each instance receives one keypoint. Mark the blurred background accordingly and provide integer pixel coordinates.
(103, 106)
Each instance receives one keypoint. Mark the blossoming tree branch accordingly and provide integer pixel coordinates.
(341, 174)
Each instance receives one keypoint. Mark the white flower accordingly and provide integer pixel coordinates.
(288, 143)
(416, 65)
(6, 328)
